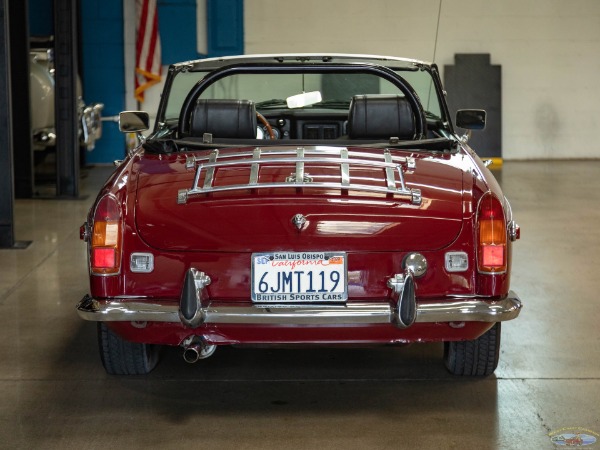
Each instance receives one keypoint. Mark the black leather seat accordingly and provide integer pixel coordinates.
(380, 117)
(224, 119)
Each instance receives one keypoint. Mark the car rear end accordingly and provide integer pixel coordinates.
(393, 233)
(323, 246)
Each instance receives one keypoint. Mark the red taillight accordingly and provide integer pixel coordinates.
(103, 258)
(105, 252)
(491, 235)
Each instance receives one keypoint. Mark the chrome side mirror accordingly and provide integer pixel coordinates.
(134, 121)
(471, 119)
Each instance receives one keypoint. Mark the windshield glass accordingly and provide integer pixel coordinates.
(273, 89)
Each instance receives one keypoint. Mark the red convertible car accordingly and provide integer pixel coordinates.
(300, 199)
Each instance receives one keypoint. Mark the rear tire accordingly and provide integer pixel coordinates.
(121, 357)
(478, 357)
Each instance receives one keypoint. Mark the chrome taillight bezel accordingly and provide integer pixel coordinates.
(499, 207)
(105, 272)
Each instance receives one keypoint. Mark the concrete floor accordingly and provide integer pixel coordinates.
(55, 393)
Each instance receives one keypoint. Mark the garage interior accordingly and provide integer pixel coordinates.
(56, 394)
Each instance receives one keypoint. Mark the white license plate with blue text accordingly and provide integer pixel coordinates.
(299, 277)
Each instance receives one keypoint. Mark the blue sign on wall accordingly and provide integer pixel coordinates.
(179, 30)
(103, 71)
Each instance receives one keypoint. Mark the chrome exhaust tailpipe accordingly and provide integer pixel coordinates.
(191, 354)
(197, 350)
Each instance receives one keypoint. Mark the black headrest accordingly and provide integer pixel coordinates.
(380, 117)
(224, 119)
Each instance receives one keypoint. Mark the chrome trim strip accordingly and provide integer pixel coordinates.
(311, 315)
(471, 310)
(514, 231)
(124, 310)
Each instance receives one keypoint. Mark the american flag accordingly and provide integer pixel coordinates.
(147, 56)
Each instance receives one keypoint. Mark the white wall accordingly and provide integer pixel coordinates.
(549, 51)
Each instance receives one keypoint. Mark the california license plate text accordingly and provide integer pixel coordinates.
(299, 277)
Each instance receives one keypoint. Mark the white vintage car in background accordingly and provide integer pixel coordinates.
(41, 87)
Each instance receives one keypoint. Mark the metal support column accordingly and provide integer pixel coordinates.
(65, 53)
(21, 122)
(7, 237)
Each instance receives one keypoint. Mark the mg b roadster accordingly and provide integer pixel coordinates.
(300, 199)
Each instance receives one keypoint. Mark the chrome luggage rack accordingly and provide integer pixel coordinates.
(392, 167)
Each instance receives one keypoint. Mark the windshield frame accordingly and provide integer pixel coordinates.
(218, 68)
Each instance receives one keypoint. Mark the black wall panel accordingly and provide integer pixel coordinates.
(474, 83)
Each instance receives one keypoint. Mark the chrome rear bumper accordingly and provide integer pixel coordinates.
(457, 310)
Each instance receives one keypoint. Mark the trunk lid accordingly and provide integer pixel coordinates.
(257, 219)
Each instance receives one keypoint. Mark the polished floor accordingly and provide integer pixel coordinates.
(54, 393)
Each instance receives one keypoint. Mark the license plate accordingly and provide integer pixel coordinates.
(303, 277)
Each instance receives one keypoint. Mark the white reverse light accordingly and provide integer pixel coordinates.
(457, 261)
(141, 262)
